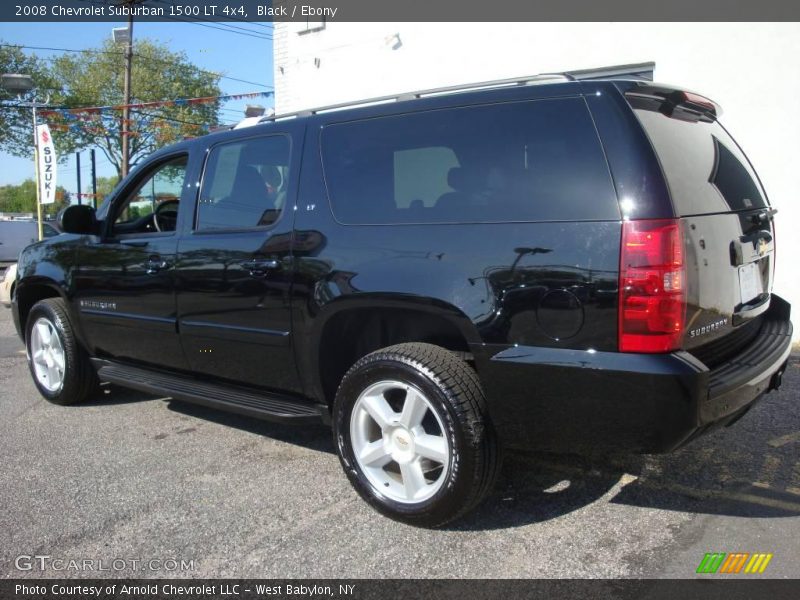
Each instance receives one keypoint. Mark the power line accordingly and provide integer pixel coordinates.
(206, 22)
(253, 35)
(139, 56)
(231, 17)
(227, 18)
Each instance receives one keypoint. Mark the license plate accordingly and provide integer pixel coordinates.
(750, 282)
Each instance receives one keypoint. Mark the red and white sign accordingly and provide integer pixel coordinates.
(47, 165)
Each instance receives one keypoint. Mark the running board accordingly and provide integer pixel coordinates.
(262, 405)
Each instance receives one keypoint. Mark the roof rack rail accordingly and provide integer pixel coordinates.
(514, 81)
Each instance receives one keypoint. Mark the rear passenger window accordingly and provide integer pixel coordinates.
(522, 161)
(420, 175)
(245, 184)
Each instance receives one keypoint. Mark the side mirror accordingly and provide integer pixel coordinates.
(78, 219)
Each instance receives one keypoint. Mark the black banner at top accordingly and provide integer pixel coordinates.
(398, 10)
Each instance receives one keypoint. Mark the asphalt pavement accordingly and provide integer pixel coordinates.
(132, 478)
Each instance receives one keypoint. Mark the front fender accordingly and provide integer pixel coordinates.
(44, 270)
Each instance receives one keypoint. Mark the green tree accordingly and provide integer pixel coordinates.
(22, 199)
(105, 185)
(95, 78)
(16, 125)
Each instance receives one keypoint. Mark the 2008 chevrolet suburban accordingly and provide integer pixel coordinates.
(545, 263)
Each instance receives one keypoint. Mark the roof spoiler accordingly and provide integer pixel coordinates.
(674, 102)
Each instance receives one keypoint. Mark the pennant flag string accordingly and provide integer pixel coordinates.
(163, 127)
(101, 120)
(77, 113)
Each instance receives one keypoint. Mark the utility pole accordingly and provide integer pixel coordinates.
(94, 179)
(127, 96)
(38, 175)
(78, 169)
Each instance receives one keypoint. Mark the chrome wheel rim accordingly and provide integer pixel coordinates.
(399, 442)
(47, 355)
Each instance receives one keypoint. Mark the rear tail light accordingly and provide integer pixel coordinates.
(652, 276)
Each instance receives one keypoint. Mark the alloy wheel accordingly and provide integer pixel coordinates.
(47, 355)
(399, 441)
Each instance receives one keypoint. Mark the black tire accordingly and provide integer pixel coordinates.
(454, 391)
(79, 378)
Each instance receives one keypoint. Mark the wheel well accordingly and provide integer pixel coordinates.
(351, 334)
(27, 296)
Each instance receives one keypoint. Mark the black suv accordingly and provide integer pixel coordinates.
(560, 265)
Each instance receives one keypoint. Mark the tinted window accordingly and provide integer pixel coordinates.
(245, 184)
(160, 193)
(528, 161)
(705, 169)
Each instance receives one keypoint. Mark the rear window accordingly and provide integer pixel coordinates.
(526, 161)
(705, 169)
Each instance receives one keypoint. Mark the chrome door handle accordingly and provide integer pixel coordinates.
(259, 268)
(155, 264)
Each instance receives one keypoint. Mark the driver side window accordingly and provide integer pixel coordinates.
(153, 205)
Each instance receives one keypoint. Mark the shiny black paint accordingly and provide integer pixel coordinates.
(235, 318)
(43, 271)
(535, 304)
(124, 285)
(710, 183)
(713, 281)
(587, 401)
(487, 279)
(117, 300)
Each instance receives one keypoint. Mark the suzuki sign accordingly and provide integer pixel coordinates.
(47, 165)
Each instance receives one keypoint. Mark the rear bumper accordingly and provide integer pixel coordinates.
(584, 401)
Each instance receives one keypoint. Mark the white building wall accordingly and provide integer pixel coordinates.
(751, 69)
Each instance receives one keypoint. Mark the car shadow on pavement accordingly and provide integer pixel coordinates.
(109, 395)
(751, 469)
(534, 488)
(748, 470)
(313, 437)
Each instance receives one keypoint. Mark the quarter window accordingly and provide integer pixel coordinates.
(245, 184)
(523, 161)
